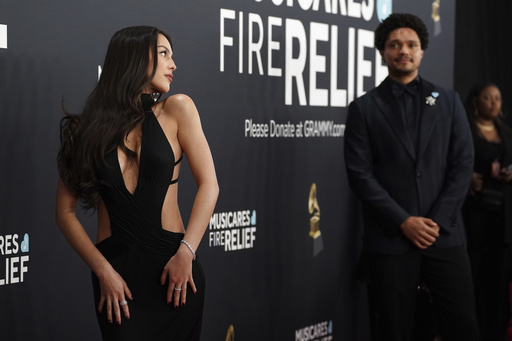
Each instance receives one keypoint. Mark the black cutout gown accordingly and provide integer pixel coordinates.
(139, 247)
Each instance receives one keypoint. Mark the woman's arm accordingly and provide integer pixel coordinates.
(193, 143)
(113, 287)
(195, 146)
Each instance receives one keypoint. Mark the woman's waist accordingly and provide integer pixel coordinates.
(146, 226)
(170, 219)
(159, 241)
(173, 224)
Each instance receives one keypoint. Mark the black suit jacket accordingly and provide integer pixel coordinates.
(395, 181)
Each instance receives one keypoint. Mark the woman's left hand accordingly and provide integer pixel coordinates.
(178, 271)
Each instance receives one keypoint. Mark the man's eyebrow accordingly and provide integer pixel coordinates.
(407, 41)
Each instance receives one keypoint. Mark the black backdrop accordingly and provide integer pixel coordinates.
(274, 282)
(483, 53)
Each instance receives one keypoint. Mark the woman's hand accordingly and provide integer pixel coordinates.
(114, 293)
(477, 183)
(113, 288)
(505, 175)
(178, 271)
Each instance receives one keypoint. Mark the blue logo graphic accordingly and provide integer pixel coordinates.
(253, 217)
(384, 9)
(24, 243)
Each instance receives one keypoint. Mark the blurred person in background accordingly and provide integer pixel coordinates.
(488, 210)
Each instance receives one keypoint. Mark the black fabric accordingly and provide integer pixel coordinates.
(483, 207)
(410, 88)
(487, 219)
(407, 96)
(489, 267)
(490, 198)
(129, 212)
(393, 293)
(139, 247)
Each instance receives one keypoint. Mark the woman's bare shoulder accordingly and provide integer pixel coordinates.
(178, 105)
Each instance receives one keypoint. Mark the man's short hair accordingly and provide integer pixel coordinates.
(399, 20)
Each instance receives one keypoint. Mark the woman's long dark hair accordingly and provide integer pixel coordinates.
(111, 111)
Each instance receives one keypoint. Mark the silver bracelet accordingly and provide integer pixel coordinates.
(183, 241)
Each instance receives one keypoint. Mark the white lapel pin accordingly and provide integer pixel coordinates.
(431, 100)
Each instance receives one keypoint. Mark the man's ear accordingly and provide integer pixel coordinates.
(381, 52)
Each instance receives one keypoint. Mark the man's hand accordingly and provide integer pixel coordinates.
(422, 232)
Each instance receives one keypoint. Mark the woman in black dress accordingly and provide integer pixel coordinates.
(488, 211)
(122, 156)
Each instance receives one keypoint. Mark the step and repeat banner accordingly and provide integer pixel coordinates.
(272, 80)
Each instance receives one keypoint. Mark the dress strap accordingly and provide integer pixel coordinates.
(179, 160)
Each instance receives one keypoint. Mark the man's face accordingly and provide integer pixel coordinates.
(402, 53)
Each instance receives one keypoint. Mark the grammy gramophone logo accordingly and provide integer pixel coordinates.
(230, 336)
(436, 17)
(314, 221)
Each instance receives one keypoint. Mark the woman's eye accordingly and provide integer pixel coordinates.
(163, 53)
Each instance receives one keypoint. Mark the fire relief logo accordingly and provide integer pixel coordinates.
(15, 264)
(233, 230)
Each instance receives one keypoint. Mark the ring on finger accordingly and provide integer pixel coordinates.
(123, 303)
(177, 289)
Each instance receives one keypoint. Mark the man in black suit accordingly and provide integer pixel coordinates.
(409, 159)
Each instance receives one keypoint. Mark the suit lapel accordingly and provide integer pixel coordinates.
(429, 114)
(388, 105)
